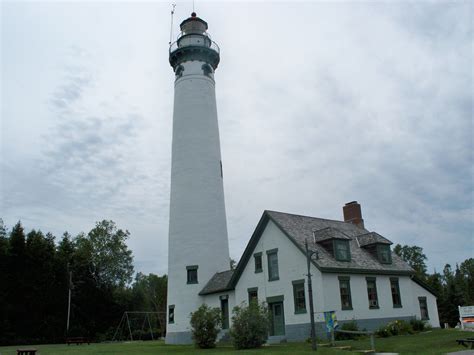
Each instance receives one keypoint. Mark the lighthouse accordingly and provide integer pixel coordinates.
(198, 244)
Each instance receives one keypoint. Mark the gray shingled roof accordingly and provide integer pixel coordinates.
(299, 228)
(372, 238)
(219, 282)
(328, 233)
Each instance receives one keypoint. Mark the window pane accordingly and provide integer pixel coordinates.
(423, 308)
(253, 296)
(342, 250)
(192, 276)
(258, 262)
(345, 291)
(273, 266)
(395, 293)
(372, 294)
(299, 296)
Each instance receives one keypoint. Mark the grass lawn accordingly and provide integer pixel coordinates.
(436, 342)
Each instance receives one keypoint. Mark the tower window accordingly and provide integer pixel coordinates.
(272, 256)
(299, 296)
(258, 262)
(179, 71)
(192, 271)
(171, 314)
(345, 291)
(395, 288)
(206, 69)
(372, 293)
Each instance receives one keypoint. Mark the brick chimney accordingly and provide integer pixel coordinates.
(353, 214)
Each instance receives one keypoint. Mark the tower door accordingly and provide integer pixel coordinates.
(277, 319)
(225, 313)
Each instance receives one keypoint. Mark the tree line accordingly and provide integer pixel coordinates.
(37, 271)
(453, 286)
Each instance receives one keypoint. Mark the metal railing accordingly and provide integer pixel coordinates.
(369, 333)
(211, 45)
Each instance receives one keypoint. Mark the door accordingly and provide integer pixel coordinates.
(277, 319)
(225, 313)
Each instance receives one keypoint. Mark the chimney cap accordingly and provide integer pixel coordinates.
(351, 203)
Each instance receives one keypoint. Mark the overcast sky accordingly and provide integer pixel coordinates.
(320, 103)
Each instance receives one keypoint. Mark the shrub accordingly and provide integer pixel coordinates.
(382, 332)
(249, 326)
(352, 325)
(205, 323)
(397, 327)
(417, 325)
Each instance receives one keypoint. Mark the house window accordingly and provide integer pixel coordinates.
(395, 288)
(423, 308)
(384, 254)
(345, 291)
(192, 271)
(341, 250)
(299, 296)
(171, 314)
(258, 262)
(272, 256)
(372, 292)
(253, 294)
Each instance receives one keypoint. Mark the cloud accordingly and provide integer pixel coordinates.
(319, 104)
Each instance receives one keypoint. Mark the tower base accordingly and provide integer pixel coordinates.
(179, 338)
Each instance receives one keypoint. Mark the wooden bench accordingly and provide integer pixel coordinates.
(77, 340)
(465, 342)
(26, 351)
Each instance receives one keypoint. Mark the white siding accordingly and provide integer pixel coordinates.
(197, 229)
(360, 303)
(418, 291)
(326, 294)
(291, 265)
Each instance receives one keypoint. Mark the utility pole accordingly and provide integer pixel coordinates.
(310, 293)
(69, 301)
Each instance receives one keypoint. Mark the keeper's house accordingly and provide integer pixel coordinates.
(355, 273)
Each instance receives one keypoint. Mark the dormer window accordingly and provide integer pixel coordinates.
(376, 245)
(341, 250)
(383, 254)
(335, 242)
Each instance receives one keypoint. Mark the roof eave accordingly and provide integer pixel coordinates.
(423, 284)
(365, 271)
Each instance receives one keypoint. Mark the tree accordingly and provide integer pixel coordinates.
(4, 246)
(414, 256)
(149, 294)
(249, 326)
(466, 270)
(109, 259)
(205, 323)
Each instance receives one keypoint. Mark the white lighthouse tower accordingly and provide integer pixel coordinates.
(198, 244)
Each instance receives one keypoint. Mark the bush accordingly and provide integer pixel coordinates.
(383, 332)
(205, 323)
(249, 326)
(397, 327)
(417, 325)
(352, 325)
